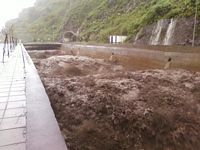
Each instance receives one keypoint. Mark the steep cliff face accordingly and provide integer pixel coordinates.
(94, 20)
(130, 17)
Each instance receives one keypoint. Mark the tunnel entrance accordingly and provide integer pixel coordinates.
(70, 36)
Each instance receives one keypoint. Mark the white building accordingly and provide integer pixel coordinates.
(117, 39)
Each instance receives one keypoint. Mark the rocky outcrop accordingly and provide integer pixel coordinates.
(169, 32)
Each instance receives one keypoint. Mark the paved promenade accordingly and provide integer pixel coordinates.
(12, 102)
(19, 129)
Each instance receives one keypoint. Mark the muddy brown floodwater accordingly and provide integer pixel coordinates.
(101, 106)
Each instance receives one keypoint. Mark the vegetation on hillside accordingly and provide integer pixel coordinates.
(95, 20)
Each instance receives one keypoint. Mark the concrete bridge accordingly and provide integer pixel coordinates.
(27, 121)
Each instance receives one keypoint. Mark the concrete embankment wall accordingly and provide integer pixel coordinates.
(135, 58)
(42, 46)
(43, 132)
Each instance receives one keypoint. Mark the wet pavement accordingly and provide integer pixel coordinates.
(12, 102)
(23, 124)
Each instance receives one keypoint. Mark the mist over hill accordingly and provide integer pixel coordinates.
(95, 20)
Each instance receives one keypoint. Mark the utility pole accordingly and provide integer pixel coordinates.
(195, 22)
(62, 27)
(53, 28)
(69, 4)
(70, 12)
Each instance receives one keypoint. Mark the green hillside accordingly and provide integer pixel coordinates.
(95, 20)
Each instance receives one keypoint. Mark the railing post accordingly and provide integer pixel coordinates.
(5, 46)
(22, 51)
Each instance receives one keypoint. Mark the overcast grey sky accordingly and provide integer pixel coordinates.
(10, 9)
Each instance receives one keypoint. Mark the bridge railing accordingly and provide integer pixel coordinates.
(9, 45)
